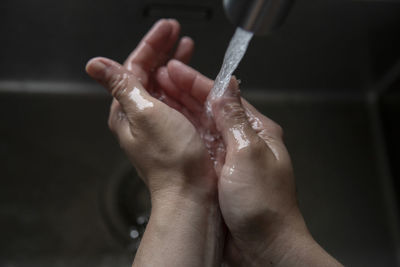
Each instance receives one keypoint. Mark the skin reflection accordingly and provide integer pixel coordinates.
(240, 137)
(139, 100)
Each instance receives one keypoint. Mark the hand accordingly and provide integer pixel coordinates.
(256, 185)
(166, 150)
(158, 139)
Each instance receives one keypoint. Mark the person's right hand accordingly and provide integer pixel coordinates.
(256, 183)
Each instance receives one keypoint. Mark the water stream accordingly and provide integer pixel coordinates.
(233, 55)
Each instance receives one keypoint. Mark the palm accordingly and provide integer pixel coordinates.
(183, 91)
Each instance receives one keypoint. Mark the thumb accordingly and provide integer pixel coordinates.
(231, 120)
(122, 85)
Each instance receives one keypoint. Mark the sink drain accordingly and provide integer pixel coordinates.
(126, 206)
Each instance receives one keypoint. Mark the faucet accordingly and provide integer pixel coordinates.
(258, 16)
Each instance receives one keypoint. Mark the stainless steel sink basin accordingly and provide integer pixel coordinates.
(62, 174)
(68, 197)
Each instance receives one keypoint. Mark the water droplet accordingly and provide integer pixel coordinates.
(235, 52)
(134, 234)
(141, 220)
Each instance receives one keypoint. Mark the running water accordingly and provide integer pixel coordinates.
(234, 54)
(208, 132)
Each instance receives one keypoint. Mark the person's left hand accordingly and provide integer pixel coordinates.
(160, 142)
(168, 153)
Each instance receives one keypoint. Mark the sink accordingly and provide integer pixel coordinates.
(329, 76)
(65, 192)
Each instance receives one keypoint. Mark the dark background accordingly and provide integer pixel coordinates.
(336, 44)
(330, 76)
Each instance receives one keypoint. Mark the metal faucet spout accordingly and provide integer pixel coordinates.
(258, 16)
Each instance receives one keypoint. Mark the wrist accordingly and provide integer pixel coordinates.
(185, 207)
(275, 241)
(172, 201)
(172, 188)
(181, 203)
(181, 227)
(287, 244)
(298, 248)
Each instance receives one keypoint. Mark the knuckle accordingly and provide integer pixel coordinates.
(145, 118)
(278, 130)
(146, 113)
(254, 150)
(110, 123)
(257, 147)
(234, 111)
(119, 84)
(273, 130)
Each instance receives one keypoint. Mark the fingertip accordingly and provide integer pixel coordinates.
(233, 88)
(228, 111)
(161, 73)
(172, 20)
(165, 82)
(184, 50)
(96, 67)
(177, 69)
(181, 74)
(111, 75)
(234, 83)
(174, 64)
(161, 29)
(174, 68)
(174, 23)
(161, 76)
(161, 23)
(189, 80)
(187, 41)
(174, 34)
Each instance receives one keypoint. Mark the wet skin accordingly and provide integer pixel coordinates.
(157, 116)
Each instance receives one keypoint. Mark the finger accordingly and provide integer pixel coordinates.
(199, 86)
(155, 46)
(189, 80)
(220, 154)
(122, 85)
(176, 93)
(165, 82)
(267, 130)
(263, 125)
(232, 122)
(185, 49)
(173, 97)
(169, 101)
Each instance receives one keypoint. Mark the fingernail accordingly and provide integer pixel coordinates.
(95, 68)
(159, 22)
(187, 39)
(172, 20)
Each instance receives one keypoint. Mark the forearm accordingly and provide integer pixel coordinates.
(300, 250)
(182, 232)
(291, 246)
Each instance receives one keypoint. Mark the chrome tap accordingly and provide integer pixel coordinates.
(258, 16)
